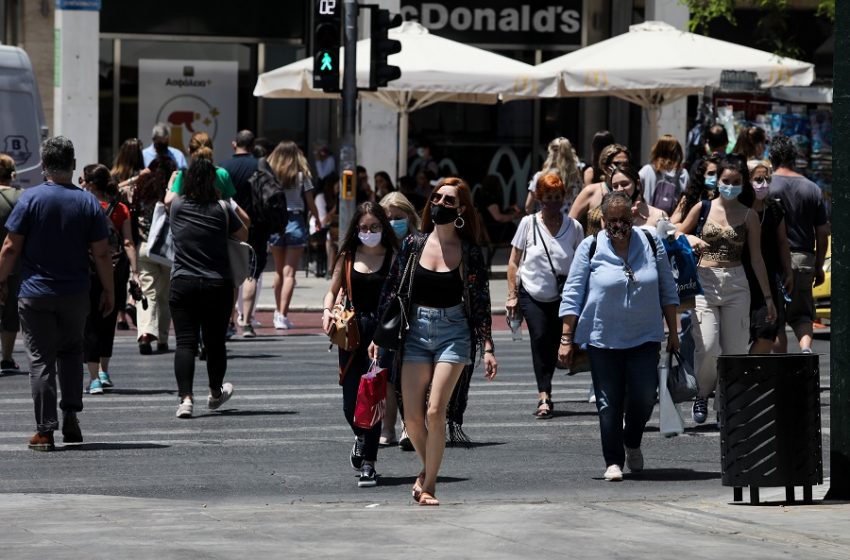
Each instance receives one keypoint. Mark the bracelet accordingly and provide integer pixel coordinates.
(328, 309)
(566, 339)
(489, 351)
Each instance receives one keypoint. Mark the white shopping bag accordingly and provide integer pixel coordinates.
(670, 420)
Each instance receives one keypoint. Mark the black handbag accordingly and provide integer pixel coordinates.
(394, 322)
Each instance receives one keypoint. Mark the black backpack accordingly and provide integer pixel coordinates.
(267, 207)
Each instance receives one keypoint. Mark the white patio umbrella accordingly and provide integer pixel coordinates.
(655, 63)
(433, 69)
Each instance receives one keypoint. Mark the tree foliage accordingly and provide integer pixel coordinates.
(775, 27)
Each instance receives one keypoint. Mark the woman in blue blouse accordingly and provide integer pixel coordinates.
(619, 284)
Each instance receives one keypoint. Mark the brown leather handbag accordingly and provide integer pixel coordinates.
(344, 331)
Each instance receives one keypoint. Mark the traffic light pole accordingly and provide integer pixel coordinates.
(839, 400)
(348, 149)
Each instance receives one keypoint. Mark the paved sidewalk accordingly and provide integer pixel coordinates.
(37, 526)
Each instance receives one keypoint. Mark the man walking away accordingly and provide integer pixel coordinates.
(808, 237)
(52, 229)
(159, 147)
(242, 167)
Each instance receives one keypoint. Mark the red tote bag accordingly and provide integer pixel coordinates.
(371, 397)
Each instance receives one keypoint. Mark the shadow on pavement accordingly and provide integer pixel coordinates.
(252, 356)
(237, 412)
(673, 475)
(409, 480)
(110, 446)
(474, 444)
(140, 392)
(567, 413)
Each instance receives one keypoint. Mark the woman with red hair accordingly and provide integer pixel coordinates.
(449, 320)
(542, 252)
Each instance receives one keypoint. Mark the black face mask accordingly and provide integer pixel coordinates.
(441, 215)
(160, 147)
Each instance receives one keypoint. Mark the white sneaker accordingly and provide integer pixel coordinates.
(634, 459)
(226, 392)
(613, 473)
(287, 323)
(278, 321)
(184, 410)
(591, 395)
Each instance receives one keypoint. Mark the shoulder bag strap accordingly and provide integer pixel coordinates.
(545, 248)
(349, 266)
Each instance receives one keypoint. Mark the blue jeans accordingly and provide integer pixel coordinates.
(617, 374)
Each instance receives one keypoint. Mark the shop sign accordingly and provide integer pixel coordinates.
(189, 96)
(84, 5)
(501, 22)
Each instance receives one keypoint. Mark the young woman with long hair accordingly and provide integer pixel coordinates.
(562, 160)
(152, 321)
(293, 172)
(128, 164)
(201, 282)
(449, 321)
(100, 330)
(702, 185)
(722, 315)
(404, 221)
(587, 206)
(359, 272)
(665, 164)
(625, 178)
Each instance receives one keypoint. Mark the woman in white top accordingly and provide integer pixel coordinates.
(543, 250)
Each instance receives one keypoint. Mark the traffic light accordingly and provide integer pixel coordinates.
(326, 45)
(380, 73)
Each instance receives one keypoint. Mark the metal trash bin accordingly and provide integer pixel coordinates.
(770, 425)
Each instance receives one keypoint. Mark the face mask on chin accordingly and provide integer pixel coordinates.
(441, 215)
(761, 190)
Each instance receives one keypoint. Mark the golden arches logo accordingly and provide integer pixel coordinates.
(596, 78)
(526, 86)
(779, 75)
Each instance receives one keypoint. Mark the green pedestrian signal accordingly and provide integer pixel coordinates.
(326, 44)
(327, 62)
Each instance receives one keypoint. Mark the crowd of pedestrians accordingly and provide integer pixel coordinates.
(588, 272)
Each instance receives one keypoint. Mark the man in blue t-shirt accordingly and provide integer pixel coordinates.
(52, 229)
(159, 146)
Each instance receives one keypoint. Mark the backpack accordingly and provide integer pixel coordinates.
(667, 192)
(267, 207)
(113, 238)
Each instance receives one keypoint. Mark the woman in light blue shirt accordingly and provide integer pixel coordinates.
(619, 285)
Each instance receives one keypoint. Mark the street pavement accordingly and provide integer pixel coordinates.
(268, 476)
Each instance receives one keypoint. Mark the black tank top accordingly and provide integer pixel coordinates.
(437, 289)
(366, 286)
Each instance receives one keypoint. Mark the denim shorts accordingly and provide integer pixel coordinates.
(438, 335)
(295, 234)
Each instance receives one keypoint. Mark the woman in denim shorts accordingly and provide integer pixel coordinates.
(293, 172)
(449, 318)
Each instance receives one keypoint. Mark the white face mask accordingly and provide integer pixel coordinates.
(370, 239)
(420, 152)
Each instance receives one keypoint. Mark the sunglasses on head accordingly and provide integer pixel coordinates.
(447, 200)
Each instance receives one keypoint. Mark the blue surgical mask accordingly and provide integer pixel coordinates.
(400, 227)
(711, 182)
(730, 191)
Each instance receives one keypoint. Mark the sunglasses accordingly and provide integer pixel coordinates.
(447, 200)
(630, 274)
(761, 180)
(374, 228)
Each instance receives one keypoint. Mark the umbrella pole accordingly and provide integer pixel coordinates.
(403, 125)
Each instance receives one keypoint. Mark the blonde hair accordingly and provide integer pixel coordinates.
(7, 169)
(397, 200)
(563, 161)
(286, 160)
(202, 152)
(754, 164)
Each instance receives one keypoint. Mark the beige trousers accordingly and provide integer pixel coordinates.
(721, 321)
(155, 281)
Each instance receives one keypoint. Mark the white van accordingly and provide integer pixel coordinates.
(22, 126)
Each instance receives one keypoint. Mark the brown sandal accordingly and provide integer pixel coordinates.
(428, 499)
(417, 486)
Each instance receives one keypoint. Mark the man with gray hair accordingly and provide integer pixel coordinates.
(160, 147)
(52, 230)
